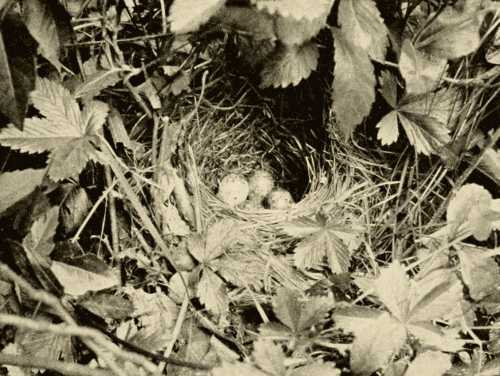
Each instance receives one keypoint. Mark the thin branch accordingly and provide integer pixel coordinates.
(65, 368)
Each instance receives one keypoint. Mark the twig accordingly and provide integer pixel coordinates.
(96, 341)
(112, 213)
(65, 368)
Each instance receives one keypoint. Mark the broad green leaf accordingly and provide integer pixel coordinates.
(17, 68)
(269, 357)
(452, 34)
(429, 363)
(363, 27)
(353, 84)
(289, 65)
(422, 72)
(188, 15)
(77, 281)
(40, 21)
(425, 133)
(375, 343)
(392, 287)
(40, 238)
(297, 9)
(16, 185)
(212, 292)
(388, 128)
(471, 211)
(479, 271)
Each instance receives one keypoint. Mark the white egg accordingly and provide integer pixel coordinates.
(280, 199)
(261, 183)
(233, 190)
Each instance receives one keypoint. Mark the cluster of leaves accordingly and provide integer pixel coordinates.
(283, 42)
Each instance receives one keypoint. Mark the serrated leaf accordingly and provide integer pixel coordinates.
(479, 271)
(431, 336)
(17, 68)
(363, 27)
(269, 357)
(40, 21)
(16, 185)
(97, 82)
(289, 65)
(188, 15)
(299, 313)
(452, 34)
(108, 306)
(375, 343)
(471, 210)
(212, 292)
(429, 363)
(56, 103)
(296, 32)
(297, 9)
(422, 72)
(77, 281)
(392, 287)
(425, 133)
(242, 270)
(388, 128)
(40, 238)
(353, 84)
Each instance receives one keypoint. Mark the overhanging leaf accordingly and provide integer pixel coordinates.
(289, 65)
(40, 21)
(452, 34)
(259, 25)
(188, 15)
(353, 84)
(363, 27)
(17, 68)
(296, 32)
(96, 82)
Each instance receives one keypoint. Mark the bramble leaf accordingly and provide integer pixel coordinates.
(353, 84)
(289, 65)
(363, 27)
(212, 292)
(188, 15)
(66, 133)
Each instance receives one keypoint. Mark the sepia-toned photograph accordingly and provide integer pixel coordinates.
(250, 187)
